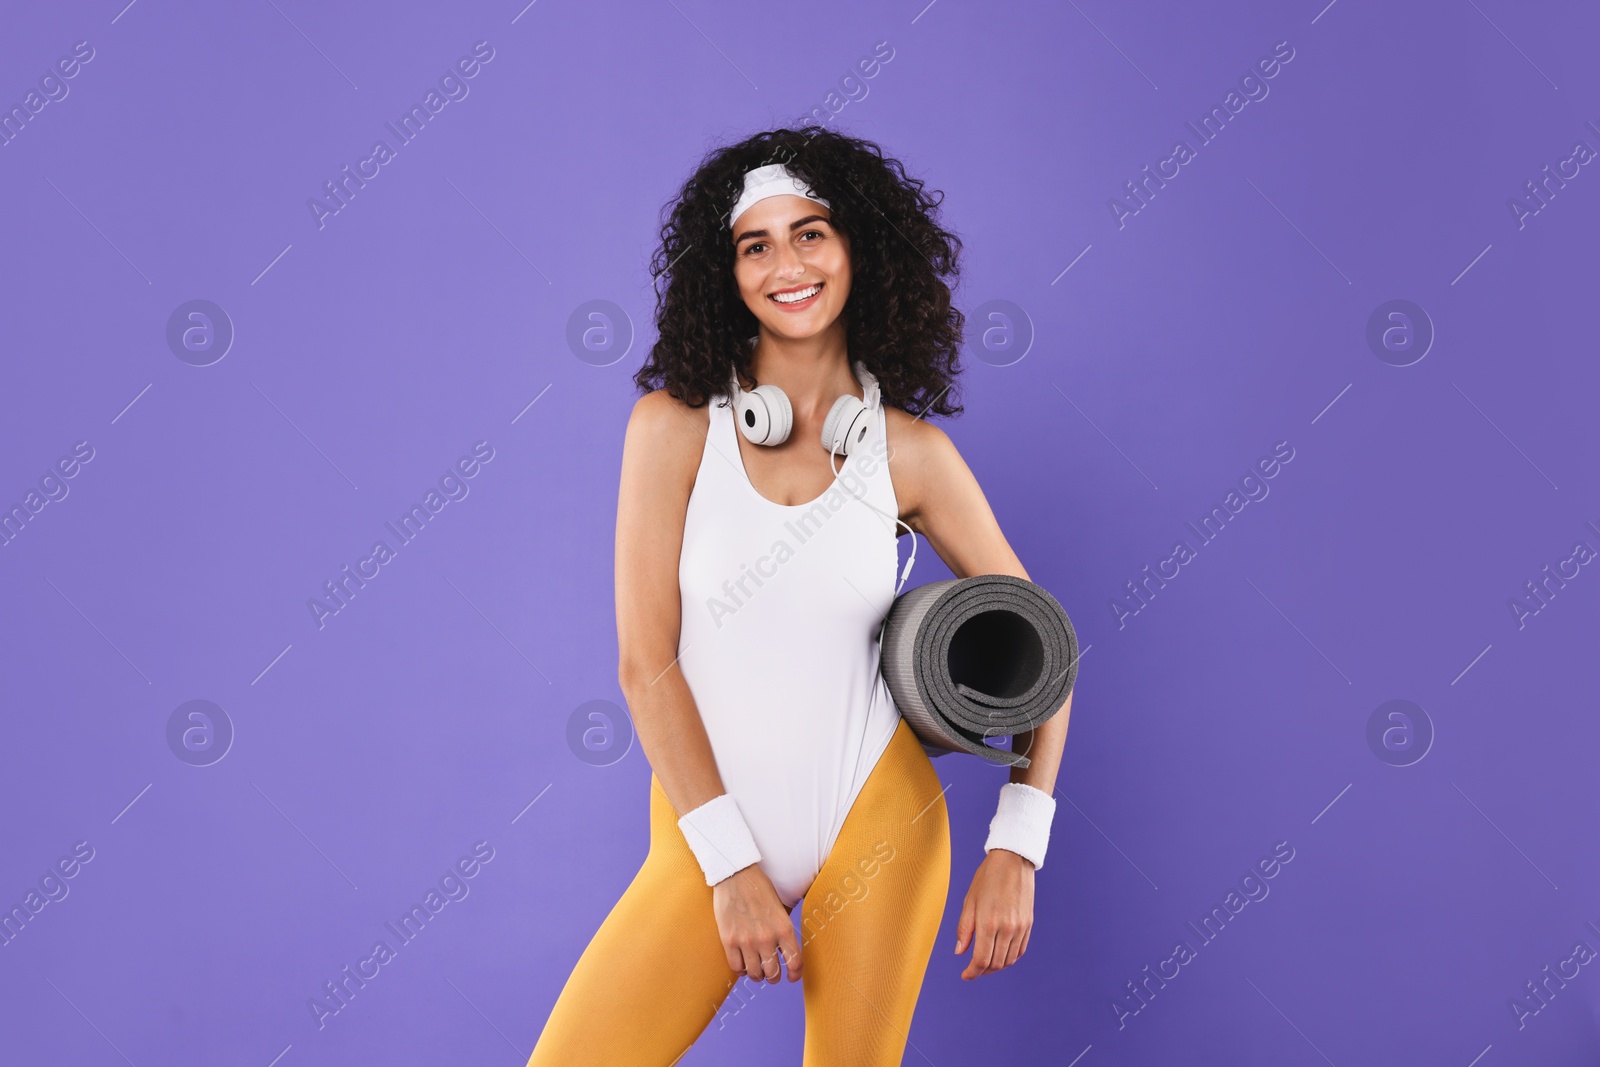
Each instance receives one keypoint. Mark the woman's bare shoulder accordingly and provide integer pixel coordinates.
(911, 430)
(919, 454)
(916, 445)
(666, 437)
(660, 406)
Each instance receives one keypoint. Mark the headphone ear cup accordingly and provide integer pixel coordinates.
(846, 425)
(764, 414)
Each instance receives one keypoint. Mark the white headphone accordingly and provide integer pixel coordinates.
(765, 417)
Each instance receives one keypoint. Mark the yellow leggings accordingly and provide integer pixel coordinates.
(655, 975)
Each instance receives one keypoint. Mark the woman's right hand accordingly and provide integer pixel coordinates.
(755, 926)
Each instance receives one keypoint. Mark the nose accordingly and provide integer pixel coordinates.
(788, 263)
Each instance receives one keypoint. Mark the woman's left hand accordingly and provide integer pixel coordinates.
(999, 911)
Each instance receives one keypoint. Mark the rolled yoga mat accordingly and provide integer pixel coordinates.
(970, 658)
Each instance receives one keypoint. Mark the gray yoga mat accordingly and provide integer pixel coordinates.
(970, 658)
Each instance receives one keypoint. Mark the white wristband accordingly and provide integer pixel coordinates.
(1021, 824)
(719, 838)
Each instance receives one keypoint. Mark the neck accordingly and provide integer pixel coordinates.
(813, 371)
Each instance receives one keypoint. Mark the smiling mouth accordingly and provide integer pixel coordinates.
(797, 296)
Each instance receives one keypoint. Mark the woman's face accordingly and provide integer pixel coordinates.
(785, 245)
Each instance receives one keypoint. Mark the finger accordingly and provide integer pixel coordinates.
(1006, 946)
(969, 915)
(989, 944)
(752, 964)
(1025, 936)
(1002, 948)
(772, 964)
(1019, 944)
(791, 954)
(982, 950)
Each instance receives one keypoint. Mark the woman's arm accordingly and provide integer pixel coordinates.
(945, 505)
(942, 502)
(660, 455)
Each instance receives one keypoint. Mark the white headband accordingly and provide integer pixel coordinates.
(773, 179)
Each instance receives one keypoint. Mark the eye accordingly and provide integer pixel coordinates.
(752, 247)
(818, 233)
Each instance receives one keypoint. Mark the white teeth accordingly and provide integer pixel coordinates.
(803, 294)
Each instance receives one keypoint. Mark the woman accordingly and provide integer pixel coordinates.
(753, 573)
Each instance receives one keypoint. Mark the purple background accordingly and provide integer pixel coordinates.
(433, 311)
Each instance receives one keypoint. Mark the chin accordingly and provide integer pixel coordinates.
(794, 331)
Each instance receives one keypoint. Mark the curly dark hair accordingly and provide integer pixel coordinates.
(900, 321)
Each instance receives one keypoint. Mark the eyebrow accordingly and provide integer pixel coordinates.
(795, 225)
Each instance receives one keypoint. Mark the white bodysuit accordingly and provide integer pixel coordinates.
(779, 643)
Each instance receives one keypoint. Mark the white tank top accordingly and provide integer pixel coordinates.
(779, 644)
